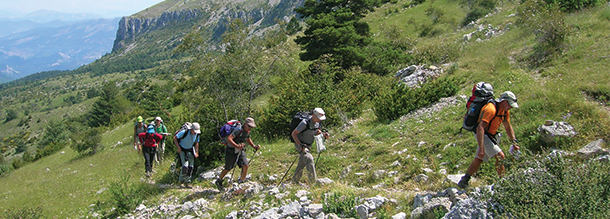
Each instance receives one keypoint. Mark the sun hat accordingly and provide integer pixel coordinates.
(250, 122)
(319, 112)
(196, 128)
(510, 97)
(140, 119)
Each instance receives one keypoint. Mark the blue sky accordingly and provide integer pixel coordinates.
(105, 8)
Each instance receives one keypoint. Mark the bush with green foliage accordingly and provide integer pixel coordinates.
(5, 169)
(55, 138)
(10, 115)
(548, 25)
(554, 187)
(573, 5)
(25, 212)
(478, 9)
(437, 53)
(87, 142)
(341, 205)
(385, 58)
(399, 99)
(126, 196)
(342, 94)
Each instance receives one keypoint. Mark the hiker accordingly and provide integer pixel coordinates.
(187, 144)
(235, 152)
(490, 118)
(148, 146)
(162, 130)
(139, 127)
(303, 136)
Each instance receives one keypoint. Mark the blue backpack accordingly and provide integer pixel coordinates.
(227, 128)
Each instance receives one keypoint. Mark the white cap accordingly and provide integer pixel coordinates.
(319, 112)
(158, 118)
(196, 128)
(510, 97)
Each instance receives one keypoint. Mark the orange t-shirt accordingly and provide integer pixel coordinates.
(488, 114)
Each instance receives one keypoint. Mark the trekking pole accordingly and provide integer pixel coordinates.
(295, 160)
(234, 167)
(253, 156)
(316, 163)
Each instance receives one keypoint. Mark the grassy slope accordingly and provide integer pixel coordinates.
(64, 184)
(368, 146)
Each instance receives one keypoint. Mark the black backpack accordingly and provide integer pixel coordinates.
(296, 119)
(482, 94)
(471, 119)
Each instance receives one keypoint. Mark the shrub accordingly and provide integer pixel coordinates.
(437, 53)
(87, 142)
(126, 196)
(478, 9)
(5, 169)
(474, 15)
(10, 115)
(400, 99)
(573, 5)
(549, 27)
(416, 2)
(429, 30)
(25, 212)
(342, 205)
(555, 187)
(17, 163)
(343, 94)
(385, 58)
(605, 14)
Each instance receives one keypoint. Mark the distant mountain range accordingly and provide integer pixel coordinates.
(48, 40)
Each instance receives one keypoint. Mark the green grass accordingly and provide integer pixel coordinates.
(64, 184)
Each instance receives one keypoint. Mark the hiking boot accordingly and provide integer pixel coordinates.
(241, 181)
(148, 174)
(464, 181)
(219, 185)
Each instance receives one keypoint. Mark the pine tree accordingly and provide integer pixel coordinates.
(335, 28)
(103, 108)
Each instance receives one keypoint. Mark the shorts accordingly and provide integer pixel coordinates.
(491, 149)
(231, 157)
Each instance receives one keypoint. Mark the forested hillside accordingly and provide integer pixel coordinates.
(212, 61)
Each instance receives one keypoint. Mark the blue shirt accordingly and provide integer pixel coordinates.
(189, 140)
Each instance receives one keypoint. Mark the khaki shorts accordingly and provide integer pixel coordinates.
(491, 149)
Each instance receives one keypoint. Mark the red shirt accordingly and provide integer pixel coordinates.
(150, 140)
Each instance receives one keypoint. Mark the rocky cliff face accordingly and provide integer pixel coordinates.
(216, 19)
(131, 27)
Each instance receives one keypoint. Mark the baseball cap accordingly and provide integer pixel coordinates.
(140, 119)
(250, 122)
(319, 112)
(196, 128)
(510, 97)
(158, 118)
